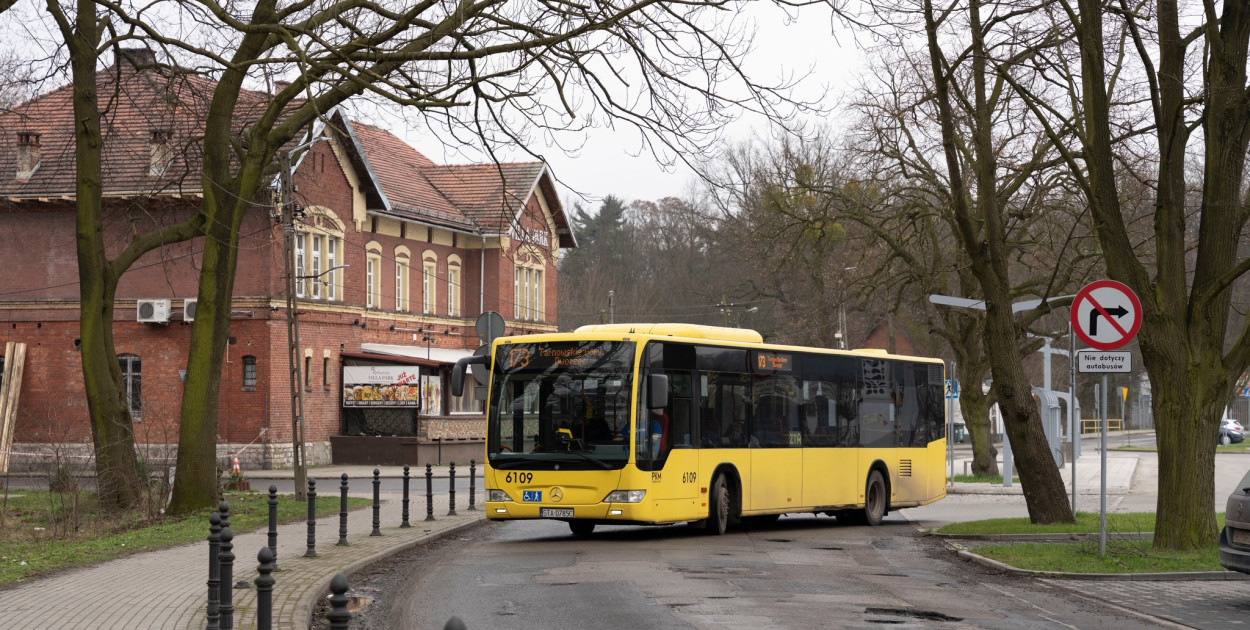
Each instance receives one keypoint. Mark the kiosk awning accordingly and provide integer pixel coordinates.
(420, 355)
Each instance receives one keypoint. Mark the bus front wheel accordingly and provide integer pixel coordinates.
(718, 507)
(581, 528)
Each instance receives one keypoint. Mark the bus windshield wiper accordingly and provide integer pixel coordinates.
(511, 463)
(601, 463)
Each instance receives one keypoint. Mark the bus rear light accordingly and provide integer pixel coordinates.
(625, 496)
(497, 495)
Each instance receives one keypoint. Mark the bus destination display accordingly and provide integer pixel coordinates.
(772, 363)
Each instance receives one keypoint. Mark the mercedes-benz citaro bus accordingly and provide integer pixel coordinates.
(654, 424)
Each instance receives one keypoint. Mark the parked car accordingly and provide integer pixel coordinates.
(1232, 424)
(1235, 537)
(1229, 436)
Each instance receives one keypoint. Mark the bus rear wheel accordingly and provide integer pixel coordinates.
(581, 529)
(718, 507)
(874, 499)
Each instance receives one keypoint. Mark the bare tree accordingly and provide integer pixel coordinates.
(916, 212)
(492, 70)
(1187, 85)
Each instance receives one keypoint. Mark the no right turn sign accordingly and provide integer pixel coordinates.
(1106, 314)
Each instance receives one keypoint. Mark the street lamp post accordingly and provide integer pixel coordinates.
(840, 336)
(1016, 309)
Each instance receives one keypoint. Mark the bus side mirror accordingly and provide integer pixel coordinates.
(457, 372)
(657, 391)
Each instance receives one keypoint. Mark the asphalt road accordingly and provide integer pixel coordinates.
(802, 572)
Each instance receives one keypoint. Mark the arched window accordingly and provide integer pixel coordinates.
(132, 382)
(453, 286)
(249, 371)
(318, 248)
(401, 278)
(429, 277)
(373, 275)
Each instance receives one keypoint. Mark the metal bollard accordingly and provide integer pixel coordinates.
(224, 592)
(454, 623)
(273, 525)
(451, 489)
(227, 575)
(429, 493)
(377, 506)
(312, 519)
(264, 589)
(343, 512)
(472, 483)
(214, 572)
(338, 616)
(404, 523)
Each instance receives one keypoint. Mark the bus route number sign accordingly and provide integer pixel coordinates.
(772, 363)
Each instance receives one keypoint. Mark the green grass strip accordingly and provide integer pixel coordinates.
(1086, 523)
(84, 535)
(1131, 556)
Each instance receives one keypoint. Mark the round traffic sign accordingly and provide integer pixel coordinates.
(489, 326)
(1106, 314)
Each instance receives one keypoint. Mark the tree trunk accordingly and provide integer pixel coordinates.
(982, 233)
(1183, 334)
(1188, 401)
(975, 407)
(112, 431)
(226, 200)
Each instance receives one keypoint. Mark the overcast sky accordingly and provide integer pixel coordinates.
(615, 162)
(610, 163)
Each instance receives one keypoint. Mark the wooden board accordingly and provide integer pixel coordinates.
(10, 391)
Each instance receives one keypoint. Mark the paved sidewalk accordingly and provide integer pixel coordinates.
(167, 588)
(975, 501)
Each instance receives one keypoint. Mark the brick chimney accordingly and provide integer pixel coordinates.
(27, 154)
(136, 58)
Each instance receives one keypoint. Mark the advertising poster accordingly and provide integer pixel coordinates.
(431, 394)
(381, 386)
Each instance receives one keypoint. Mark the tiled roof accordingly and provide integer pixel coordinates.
(480, 198)
(397, 168)
(133, 105)
(136, 104)
(489, 195)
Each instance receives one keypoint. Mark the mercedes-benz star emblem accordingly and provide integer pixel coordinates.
(557, 494)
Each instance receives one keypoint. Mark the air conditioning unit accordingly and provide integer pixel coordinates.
(152, 311)
(188, 309)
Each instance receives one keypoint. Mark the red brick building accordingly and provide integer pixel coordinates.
(398, 257)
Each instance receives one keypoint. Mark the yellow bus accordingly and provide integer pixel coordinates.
(655, 424)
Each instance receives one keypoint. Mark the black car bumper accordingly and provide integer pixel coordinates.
(1232, 558)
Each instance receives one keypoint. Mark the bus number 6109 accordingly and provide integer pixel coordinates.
(514, 477)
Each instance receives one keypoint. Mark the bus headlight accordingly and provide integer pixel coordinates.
(497, 495)
(625, 496)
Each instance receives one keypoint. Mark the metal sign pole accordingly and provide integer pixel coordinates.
(1074, 423)
(1102, 519)
(950, 427)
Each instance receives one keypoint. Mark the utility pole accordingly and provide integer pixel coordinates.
(292, 333)
(611, 307)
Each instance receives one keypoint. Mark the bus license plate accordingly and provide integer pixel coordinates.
(555, 512)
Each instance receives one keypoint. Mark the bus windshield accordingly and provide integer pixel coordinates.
(560, 405)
